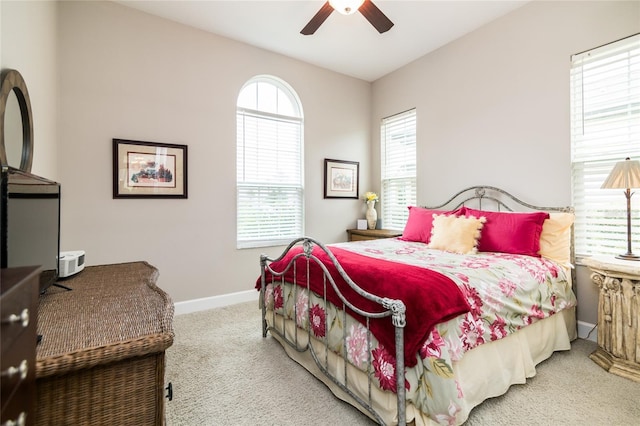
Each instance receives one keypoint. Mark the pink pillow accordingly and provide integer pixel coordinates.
(515, 233)
(420, 222)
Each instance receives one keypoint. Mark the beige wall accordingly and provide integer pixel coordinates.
(28, 44)
(493, 106)
(126, 74)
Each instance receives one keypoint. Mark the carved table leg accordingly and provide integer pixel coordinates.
(618, 326)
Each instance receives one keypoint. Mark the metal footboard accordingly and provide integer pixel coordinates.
(395, 309)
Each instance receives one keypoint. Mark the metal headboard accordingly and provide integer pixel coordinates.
(496, 198)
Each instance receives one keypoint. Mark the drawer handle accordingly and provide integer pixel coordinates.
(23, 317)
(169, 390)
(23, 369)
(20, 421)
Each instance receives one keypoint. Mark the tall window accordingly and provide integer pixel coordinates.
(270, 193)
(605, 129)
(398, 139)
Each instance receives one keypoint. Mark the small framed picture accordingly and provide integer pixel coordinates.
(149, 169)
(341, 178)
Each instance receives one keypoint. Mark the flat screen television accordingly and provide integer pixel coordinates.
(30, 223)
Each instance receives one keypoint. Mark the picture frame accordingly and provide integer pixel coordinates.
(149, 169)
(341, 178)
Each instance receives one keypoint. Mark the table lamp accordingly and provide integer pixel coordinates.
(625, 175)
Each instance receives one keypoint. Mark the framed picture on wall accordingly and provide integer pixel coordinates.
(341, 178)
(149, 169)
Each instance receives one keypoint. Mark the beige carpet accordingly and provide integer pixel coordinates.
(224, 373)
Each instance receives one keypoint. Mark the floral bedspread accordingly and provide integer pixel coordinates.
(505, 292)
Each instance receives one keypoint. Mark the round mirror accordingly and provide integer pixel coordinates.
(16, 123)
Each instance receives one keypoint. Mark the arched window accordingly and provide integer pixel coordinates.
(270, 190)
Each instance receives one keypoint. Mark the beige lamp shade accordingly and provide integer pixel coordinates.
(625, 175)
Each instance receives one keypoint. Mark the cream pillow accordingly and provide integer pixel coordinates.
(457, 234)
(555, 239)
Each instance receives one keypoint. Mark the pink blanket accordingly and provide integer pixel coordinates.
(429, 296)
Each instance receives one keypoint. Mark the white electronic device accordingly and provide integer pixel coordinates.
(70, 263)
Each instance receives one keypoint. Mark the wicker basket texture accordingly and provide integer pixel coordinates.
(101, 359)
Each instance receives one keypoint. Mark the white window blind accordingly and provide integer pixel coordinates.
(605, 129)
(398, 171)
(270, 195)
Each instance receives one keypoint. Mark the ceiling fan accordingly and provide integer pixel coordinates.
(348, 7)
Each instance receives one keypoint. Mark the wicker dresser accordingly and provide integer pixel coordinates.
(101, 358)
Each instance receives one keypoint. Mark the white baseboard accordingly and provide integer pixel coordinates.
(587, 331)
(205, 303)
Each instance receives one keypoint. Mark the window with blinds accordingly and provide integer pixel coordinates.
(398, 168)
(605, 129)
(269, 184)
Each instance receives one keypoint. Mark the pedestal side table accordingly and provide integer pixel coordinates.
(618, 315)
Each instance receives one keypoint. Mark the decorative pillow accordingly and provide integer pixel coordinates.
(457, 234)
(555, 240)
(419, 223)
(507, 232)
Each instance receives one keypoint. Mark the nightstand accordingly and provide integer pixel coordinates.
(371, 234)
(618, 315)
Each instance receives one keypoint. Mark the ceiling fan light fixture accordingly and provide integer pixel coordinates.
(346, 7)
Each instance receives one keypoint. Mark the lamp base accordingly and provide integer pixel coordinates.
(628, 256)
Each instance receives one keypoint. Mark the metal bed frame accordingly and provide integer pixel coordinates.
(389, 307)
(500, 200)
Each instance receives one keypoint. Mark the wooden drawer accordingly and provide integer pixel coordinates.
(371, 234)
(358, 237)
(20, 364)
(19, 316)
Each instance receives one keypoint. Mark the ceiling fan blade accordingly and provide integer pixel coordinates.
(317, 19)
(375, 16)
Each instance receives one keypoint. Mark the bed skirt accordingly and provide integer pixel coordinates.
(484, 372)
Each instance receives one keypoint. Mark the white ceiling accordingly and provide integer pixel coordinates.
(346, 44)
